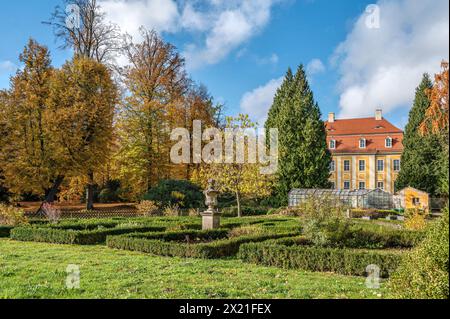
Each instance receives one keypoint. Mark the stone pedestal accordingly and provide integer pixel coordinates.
(210, 220)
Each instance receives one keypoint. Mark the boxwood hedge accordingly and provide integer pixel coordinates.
(344, 261)
(70, 236)
(169, 245)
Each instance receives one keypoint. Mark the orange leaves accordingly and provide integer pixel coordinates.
(436, 116)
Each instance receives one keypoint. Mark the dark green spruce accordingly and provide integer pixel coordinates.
(421, 154)
(304, 158)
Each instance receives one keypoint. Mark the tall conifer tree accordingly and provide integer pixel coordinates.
(304, 158)
(420, 152)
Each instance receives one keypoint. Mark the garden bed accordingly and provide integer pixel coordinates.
(71, 236)
(344, 261)
(175, 243)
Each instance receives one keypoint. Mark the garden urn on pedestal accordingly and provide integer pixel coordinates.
(211, 217)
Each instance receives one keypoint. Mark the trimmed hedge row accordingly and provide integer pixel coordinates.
(183, 235)
(214, 249)
(343, 261)
(5, 230)
(83, 237)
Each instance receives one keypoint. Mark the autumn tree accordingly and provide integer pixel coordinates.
(81, 107)
(156, 82)
(241, 177)
(27, 161)
(436, 122)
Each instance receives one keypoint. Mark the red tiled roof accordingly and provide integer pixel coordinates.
(361, 126)
(348, 132)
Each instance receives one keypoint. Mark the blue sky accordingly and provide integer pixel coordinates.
(241, 49)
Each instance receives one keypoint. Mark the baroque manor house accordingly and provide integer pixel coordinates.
(366, 152)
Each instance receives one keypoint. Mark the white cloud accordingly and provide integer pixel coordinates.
(130, 15)
(315, 66)
(218, 26)
(381, 67)
(272, 59)
(7, 67)
(256, 103)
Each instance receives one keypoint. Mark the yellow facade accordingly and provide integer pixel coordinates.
(348, 175)
(412, 198)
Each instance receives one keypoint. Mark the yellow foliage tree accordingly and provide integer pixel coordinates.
(241, 179)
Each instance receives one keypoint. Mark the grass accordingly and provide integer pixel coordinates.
(38, 270)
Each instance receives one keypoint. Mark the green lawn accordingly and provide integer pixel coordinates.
(38, 270)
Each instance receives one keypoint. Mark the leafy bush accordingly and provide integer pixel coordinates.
(423, 272)
(343, 261)
(148, 208)
(324, 221)
(172, 210)
(176, 192)
(79, 237)
(214, 249)
(110, 192)
(415, 219)
(246, 231)
(11, 216)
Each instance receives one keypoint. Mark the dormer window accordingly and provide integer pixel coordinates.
(362, 143)
(332, 144)
(388, 142)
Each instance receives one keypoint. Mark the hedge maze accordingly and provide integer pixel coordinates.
(269, 241)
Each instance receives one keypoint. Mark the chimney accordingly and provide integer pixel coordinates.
(378, 114)
(331, 117)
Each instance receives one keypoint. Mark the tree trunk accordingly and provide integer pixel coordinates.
(50, 197)
(238, 201)
(90, 192)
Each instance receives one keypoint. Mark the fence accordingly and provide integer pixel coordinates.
(88, 214)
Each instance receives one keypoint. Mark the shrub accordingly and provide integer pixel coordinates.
(52, 213)
(232, 211)
(246, 231)
(324, 221)
(148, 208)
(215, 249)
(176, 192)
(79, 237)
(11, 216)
(343, 261)
(423, 272)
(172, 210)
(110, 192)
(415, 219)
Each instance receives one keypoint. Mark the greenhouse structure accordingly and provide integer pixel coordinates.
(360, 198)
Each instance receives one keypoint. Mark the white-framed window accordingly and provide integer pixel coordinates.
(380, 185)
(416, 201)
(362, 143)
(380, 165)
(346, 165)
(396, 165)
(332, 144)
(332, 166)
(362, 165)
(346, 184)
(388, 142)
(362, 185)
